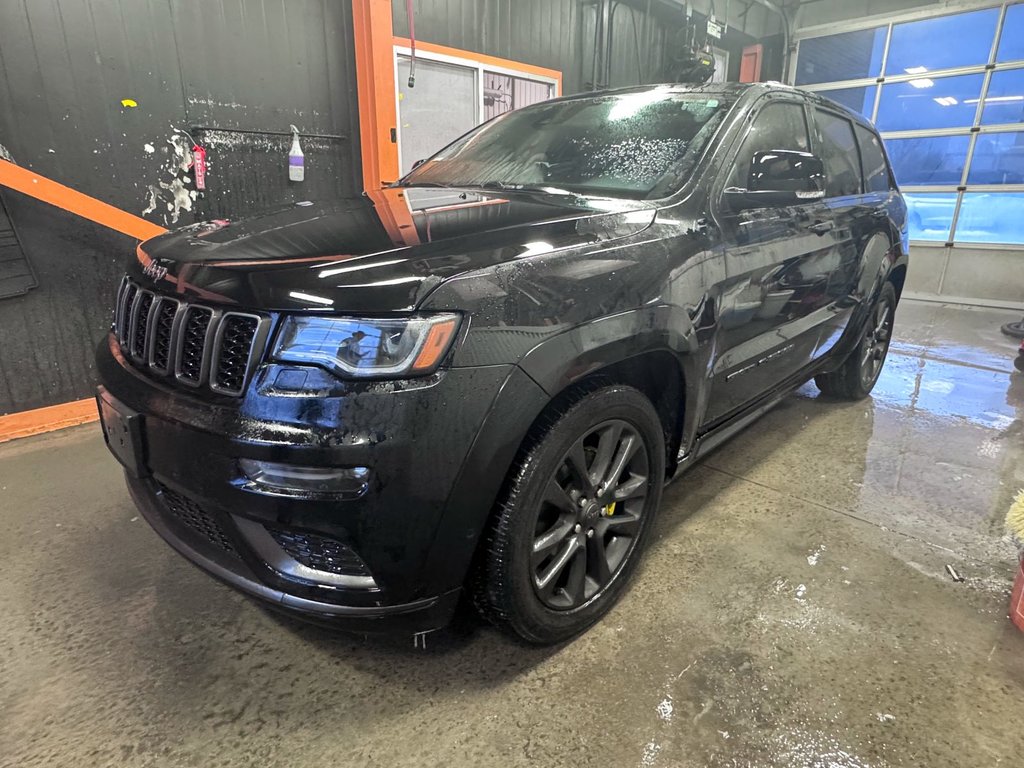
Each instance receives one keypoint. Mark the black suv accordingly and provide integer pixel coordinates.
(478, 380)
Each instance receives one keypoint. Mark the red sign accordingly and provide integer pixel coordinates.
(199, 166)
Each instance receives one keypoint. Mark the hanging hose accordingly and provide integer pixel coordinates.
(412, 43)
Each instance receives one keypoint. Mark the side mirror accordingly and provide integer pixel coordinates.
(418, 163)
(779, 177)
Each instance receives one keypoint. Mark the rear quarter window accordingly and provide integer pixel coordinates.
(839, 154)
(872, 159)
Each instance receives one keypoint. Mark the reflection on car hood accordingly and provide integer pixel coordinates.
(384, 252)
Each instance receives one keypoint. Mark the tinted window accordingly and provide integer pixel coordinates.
(839, 154)
(941, 43)
(639, 144)
(991, 217)
(780, 125)
(925, 102)
(1004, 102)
(861, 99)
(930, 214)
(1011, 42)
(928, 159)
(846, 56)
(998, 159)
(876, 173)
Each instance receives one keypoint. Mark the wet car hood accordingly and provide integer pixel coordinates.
(384, 252)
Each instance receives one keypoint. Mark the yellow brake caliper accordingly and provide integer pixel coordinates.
(610, 509)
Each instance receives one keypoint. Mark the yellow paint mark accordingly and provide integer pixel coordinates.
(129, 103)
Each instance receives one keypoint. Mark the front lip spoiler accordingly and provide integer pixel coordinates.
(261, 591)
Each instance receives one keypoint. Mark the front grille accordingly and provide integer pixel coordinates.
(193, 516)
(140, 325)
(163, 328)
(233, 352)
(319, 552)
(192, 344)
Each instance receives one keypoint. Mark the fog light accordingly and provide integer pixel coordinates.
(290, 480)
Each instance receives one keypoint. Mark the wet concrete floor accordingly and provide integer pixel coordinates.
(794, 610)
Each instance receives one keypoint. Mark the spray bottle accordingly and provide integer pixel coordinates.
(296, 161)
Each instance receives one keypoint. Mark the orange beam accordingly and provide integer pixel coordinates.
(375, 88)
(52, 417)
(483, 58)
(31, 184)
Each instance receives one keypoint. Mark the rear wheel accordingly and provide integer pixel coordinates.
(571, 524)
(858, 374)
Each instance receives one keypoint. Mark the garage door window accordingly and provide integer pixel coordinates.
(947, 93)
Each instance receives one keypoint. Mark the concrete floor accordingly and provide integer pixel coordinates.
(793, 611)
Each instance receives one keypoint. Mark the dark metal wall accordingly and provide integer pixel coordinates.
(233, 73)
(559, 34)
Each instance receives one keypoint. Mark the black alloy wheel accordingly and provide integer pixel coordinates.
(877, 337)
(569, 527)
(858, 374)
(590, 516)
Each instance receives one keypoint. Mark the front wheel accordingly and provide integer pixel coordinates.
(572, 521)
(857, 376)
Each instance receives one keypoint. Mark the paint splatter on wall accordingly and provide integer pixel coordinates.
(174, 193)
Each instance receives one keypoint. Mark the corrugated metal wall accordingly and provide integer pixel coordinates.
(559, 34)
(230, 65)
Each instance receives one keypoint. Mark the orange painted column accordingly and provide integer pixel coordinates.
(375, 87)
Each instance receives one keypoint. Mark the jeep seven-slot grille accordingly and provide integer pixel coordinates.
(232, 357)
(191, 344)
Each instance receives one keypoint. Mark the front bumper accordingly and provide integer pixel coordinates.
(438, 452)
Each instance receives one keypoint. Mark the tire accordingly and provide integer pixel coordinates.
(540, 577)
(1018, 362)
(857, 376)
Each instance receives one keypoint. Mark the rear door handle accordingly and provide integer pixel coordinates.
(821, 227)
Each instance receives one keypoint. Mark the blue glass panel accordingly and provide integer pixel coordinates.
(998, 159)
(1011, 42)
(931, 160)
(858, 99)
(847, 56)
(1004, 102)
(942, 102)
(991, 217)
(942, 42)
(930, 214)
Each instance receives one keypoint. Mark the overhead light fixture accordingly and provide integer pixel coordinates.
(915, 70)
(946, 101)
(921, 82)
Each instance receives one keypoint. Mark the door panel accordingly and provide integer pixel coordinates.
(773, 304)
(778, 261)
(858, 216)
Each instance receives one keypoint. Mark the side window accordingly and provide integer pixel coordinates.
(781, 125)
(839, 155)
(876, 170)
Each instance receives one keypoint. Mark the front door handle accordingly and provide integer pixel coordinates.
(821, 227)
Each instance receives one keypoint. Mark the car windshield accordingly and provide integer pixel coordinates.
(639, 145)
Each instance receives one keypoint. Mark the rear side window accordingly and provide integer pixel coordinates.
(876, 170)
(839, 154)
(779, 125)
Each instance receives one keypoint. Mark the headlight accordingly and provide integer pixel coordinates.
(366, 347)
